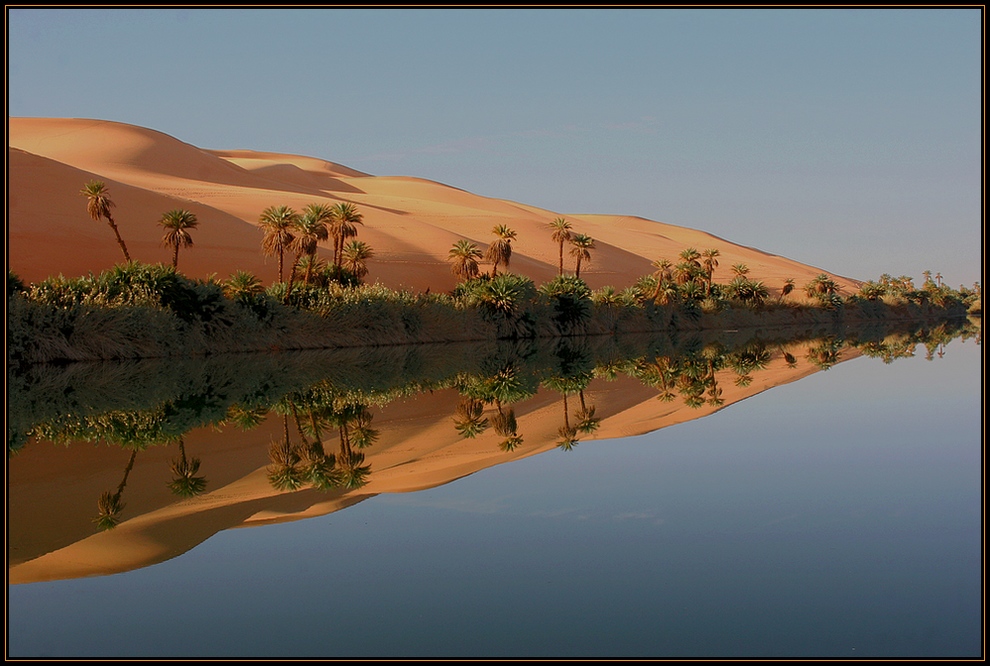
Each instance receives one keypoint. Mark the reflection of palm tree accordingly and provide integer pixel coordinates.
(284, 472)
(510, 443)
(110, 504)
(568, 438)
(246, 418)
(363, 435)
(504, 423)
(587, 421)
(186, 483)
(354, 473)
(469, 418)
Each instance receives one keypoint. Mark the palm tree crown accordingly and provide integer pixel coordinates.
(177, 223)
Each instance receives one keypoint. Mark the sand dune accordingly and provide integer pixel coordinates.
(411, 223)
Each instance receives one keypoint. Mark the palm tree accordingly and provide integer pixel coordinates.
(561, 233)
(177, 223)
(500, 251)
(355, 257)
(277, 222)
(786, 289)
(242, 285)
(310, 228)
(821, 287)
(464, 257)
(313, 226)
(691, 256)
(740, 270)
(664, 272)
(581, 250)
(343, 217)
(99, 205)
(710, 263)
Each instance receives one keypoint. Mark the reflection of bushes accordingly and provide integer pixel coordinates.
(142, 403)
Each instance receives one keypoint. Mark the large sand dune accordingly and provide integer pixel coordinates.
(411, 223)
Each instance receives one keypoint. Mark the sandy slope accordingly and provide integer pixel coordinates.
(53, 490)
(411, 223)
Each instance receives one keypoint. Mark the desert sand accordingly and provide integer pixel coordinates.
(410, 223)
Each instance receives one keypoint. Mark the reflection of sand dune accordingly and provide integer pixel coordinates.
(411, 223)
(52, 490)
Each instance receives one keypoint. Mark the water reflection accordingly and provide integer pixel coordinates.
(291, 436)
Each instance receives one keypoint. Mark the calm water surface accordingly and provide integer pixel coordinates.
(836, 516)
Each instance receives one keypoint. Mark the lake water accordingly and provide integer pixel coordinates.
(811, 514)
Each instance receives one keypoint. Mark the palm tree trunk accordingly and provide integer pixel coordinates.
(309, 267)
(560, 264)
(280, 272)
(175, 256)
(120, 241)
(577, 269)
(292, 278)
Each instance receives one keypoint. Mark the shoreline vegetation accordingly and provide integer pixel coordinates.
(140, 310)
(137, 310)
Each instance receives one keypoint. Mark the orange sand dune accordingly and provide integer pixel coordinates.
(411, 223)
(53, 489)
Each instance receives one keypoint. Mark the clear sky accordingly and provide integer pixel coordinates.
(847, 139)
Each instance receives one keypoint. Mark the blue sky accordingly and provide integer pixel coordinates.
(847, 139)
